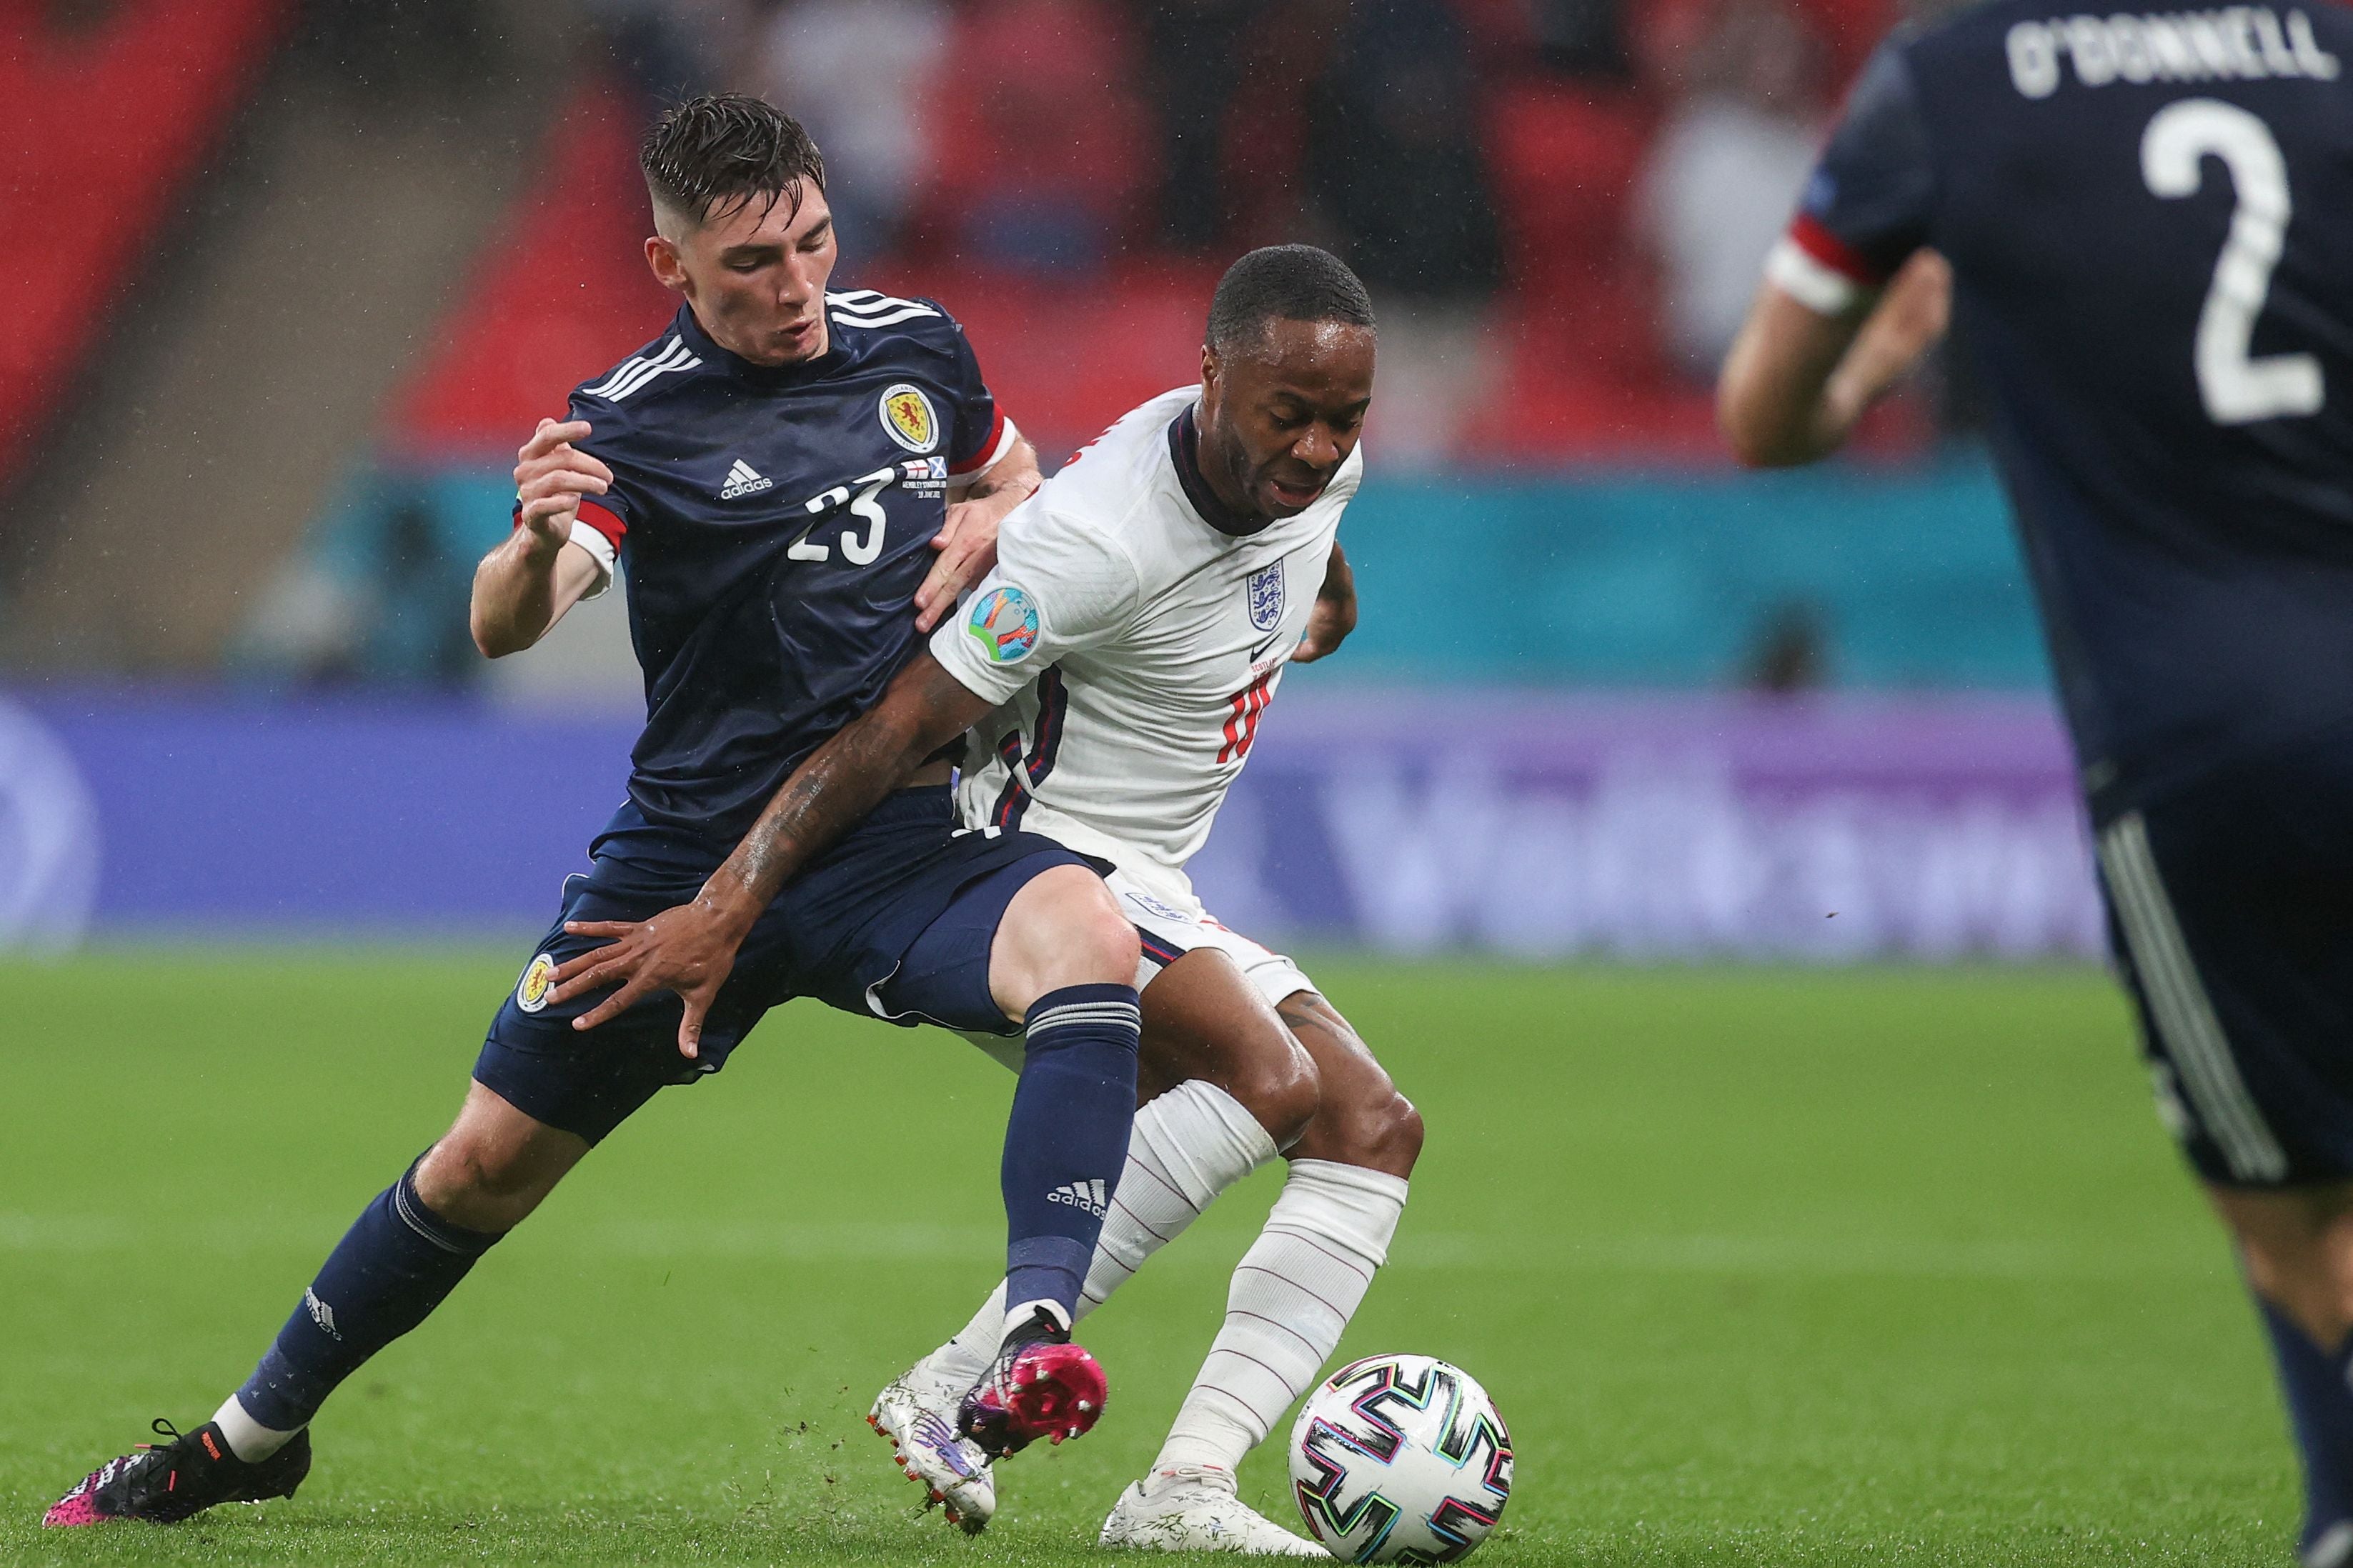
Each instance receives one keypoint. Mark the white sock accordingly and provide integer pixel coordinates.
(1189, 1144)
(249, 1439)
(1292, 1295)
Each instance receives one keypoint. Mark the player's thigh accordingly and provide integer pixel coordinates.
(1362, 1120)
(1061, 929)
(587, 1082)
(940, 953)
(1204, 1019)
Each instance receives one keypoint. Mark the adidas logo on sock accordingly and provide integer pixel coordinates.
(744, 480)
(320, 1313)
(1088, 1195)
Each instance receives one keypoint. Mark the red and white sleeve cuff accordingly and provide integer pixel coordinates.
(598, 532)
(1820, 270)
(1001, 437)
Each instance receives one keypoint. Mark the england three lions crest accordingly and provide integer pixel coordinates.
(1266, 598)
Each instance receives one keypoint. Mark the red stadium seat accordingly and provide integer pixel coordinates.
(563, 294)
(1563, 161)
(101, 128)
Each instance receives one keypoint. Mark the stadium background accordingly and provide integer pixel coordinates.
(307, 272)
(322, 267)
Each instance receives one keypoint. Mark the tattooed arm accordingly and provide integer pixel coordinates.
(692, 948)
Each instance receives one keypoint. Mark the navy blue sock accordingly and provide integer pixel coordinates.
(385, 1276)
(1067, 1139)
(2320, 1407)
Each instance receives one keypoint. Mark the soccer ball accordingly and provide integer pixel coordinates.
(1400, 1458)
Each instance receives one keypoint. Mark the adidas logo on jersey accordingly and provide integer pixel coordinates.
(1088, 1195)
(744, 480)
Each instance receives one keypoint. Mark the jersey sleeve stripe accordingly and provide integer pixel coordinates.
(598, 532)
(867, 307)
(1813, 237)
(1001, 437)
(589, 536)
(1795, 273)
(871, 304)
(1024, 775)
(1011, 801)
(678, 358)
(599, 520)
(604, 522)
(630, 367)
(637, 372)
(614, 380)
(1053, 706)
(904, 313)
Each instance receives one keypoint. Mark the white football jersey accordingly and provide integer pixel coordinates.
(1133, 647)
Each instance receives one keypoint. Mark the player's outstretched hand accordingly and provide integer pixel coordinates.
(690, 949)
(551, 474)
(966, 543)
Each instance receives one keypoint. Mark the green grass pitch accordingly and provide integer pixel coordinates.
(1856, 1268)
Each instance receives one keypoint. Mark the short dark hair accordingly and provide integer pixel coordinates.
(719, 152)
(1284, 283)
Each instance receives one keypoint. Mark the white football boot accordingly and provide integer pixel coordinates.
(1194, 1508)
(920, 1421)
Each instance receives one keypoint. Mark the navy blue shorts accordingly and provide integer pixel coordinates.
(2231, 906)
(894, 922)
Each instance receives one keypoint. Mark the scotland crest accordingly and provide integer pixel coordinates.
(1266, 598)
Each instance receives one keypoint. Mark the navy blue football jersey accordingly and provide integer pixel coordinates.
(772, 526)
(2150, 223)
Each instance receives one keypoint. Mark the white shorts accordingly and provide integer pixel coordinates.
(1171, 922)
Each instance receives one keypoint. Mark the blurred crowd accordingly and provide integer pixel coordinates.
(1063, 137)
(1562, 208)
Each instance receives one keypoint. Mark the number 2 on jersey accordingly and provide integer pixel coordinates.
(2236, 387)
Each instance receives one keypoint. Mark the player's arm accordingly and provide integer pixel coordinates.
(1851, 299)
(692, 948)
(524, 587)
(1334, 615)
(1077, 589)
(1798, 377)
(968, 540)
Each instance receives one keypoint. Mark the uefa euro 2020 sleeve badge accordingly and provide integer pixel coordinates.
(1004, 621)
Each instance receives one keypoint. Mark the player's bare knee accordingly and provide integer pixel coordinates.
(1092, 943)
(1390, 1134)
(1367, 1123)
(1281, 1089)
(1114, 952)
(482, 1181)
(494, 1166)
(1063, 928)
